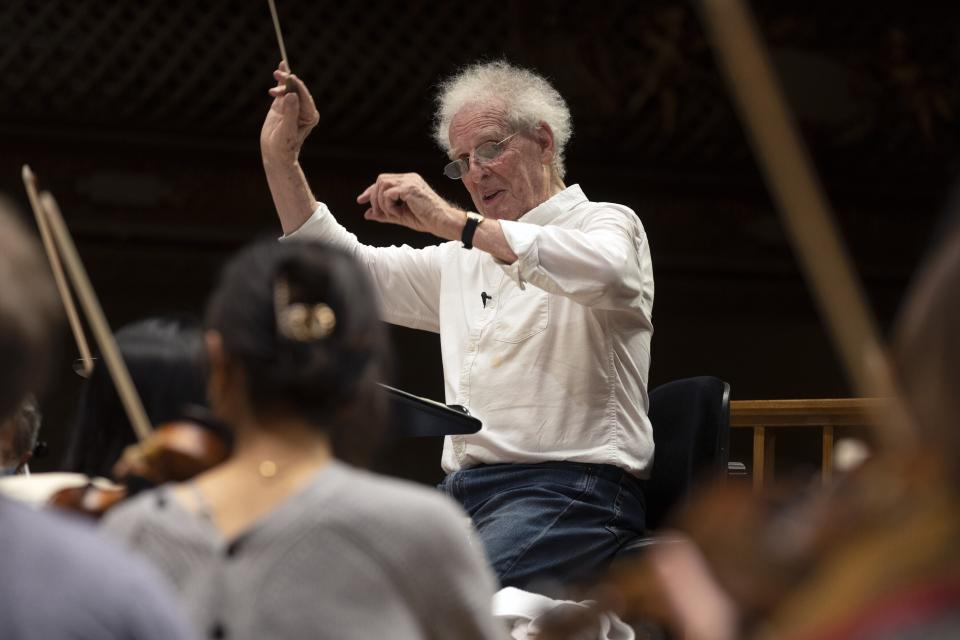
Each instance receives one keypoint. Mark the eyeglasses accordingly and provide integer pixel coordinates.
(486, 152)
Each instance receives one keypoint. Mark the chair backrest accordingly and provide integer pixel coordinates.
(691, 434)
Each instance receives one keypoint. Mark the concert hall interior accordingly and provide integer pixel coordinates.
(143, 118)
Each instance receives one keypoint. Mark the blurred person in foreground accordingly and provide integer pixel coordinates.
(543, 301)
(285, 539)
(61, 580)
(874, 555)
(887, 566)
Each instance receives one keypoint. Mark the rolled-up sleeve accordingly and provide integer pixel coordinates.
(605, 263)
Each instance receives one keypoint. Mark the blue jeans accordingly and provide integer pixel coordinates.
(553, 521)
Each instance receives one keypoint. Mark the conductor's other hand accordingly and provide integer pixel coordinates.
(406, 199)
(292, 115)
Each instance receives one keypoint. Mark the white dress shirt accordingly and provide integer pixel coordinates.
(553, 358)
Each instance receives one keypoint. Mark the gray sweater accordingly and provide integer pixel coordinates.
(352, 555)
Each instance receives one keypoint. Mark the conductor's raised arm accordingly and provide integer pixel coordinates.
(291, 117)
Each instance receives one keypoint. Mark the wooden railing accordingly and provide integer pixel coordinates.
(765, 417)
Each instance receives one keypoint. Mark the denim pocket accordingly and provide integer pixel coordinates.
(629, 518)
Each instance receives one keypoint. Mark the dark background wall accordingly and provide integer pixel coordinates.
(142, 117)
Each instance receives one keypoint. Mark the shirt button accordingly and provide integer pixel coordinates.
(218, 631)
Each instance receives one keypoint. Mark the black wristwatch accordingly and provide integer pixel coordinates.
(469, 228)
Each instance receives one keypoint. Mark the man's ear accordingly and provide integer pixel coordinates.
(544, 137)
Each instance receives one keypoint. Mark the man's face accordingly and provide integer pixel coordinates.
(515, 182)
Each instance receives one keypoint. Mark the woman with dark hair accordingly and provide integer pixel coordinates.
(284, 539)
(166, 361)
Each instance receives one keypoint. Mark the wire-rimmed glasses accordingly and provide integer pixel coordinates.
(486, 152)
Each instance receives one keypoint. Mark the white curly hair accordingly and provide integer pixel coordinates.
(528, 98)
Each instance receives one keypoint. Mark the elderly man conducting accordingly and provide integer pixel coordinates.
(543, 303)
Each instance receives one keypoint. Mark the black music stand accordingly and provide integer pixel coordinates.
(415, 417)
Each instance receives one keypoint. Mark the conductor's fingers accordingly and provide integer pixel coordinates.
(281, 87)
(294, 83)
(378, 215)
(370, 214)
(372, 197)
(386, 204)
(392, 200)
(289, 108)
(364, 197)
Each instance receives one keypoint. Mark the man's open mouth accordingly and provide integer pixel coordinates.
(490, 197)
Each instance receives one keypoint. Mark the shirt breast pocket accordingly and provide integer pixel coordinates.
(523, 314)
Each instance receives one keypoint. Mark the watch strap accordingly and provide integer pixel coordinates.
(470, 228)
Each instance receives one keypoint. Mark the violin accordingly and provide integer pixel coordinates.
(174, 452)
(177, 451)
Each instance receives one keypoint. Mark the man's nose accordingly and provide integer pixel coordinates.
(476, 170)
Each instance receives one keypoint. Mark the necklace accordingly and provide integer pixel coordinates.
(267, 469)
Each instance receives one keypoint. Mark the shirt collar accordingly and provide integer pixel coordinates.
(564, 201)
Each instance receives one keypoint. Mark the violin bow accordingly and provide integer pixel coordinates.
(30, 182)
(805, 213)
(117, 368)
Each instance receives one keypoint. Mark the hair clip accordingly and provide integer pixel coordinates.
(299, 321)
